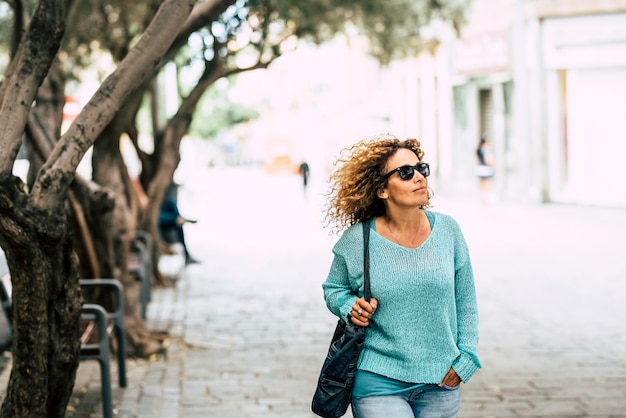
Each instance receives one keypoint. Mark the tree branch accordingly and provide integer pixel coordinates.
(25, 74)
(203, 13)
(57, 173)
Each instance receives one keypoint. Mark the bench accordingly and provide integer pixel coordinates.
(98, 326)
(140, 267)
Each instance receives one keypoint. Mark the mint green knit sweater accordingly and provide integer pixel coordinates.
(427, 317)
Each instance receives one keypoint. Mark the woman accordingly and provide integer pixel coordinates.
(484, 170)
(422, 319)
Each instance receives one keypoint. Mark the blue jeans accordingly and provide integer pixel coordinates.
(431, 401)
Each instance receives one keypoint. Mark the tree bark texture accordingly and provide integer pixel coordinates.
(46, 305)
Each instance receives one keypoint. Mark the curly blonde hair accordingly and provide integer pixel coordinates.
(359, 176)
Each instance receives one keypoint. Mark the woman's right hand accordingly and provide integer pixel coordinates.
(362, 311)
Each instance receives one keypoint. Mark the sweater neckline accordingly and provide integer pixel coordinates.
(395, 244)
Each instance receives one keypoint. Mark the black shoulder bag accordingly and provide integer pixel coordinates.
(334, 387)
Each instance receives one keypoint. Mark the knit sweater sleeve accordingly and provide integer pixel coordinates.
(344, 283)
(467, 363)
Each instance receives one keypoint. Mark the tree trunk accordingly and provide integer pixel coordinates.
(46, 305)
(166, 156)
(110, 170)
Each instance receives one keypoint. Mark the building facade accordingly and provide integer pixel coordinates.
(543, 80)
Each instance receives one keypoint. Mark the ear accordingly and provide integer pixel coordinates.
(382, 194)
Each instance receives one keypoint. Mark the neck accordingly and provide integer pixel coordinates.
(404, 230)
(406, 220)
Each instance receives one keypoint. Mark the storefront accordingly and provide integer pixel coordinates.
(584, 69)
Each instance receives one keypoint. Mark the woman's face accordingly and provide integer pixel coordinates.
(408, 193)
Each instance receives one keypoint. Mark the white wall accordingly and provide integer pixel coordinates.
(592, 52)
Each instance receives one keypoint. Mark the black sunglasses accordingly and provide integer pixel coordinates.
(407, 172)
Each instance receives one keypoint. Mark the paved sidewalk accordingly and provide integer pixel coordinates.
(249, 329)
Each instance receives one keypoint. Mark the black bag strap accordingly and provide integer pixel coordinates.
(367, 294)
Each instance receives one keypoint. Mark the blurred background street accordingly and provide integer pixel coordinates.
(249, 328)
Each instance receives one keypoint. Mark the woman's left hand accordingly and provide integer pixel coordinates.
(451, 379)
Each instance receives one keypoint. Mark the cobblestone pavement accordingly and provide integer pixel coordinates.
(249, 329)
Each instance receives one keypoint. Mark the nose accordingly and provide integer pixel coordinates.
(417, 176)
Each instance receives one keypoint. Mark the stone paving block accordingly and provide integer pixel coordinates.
(612, 404)
(148, 407)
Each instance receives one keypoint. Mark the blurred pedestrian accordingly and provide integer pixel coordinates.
(422, 320)
(304, 171)
(484, 170)
(171, 222)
